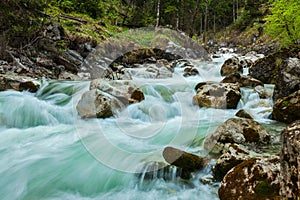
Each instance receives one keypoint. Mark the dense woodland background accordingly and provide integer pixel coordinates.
(204, 20)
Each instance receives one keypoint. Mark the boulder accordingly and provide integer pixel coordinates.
(235, 155)
(289, 162)
(183, 159)
(287, 109)
(236, 130)
(242, 80)
(217, 95)
(269, 68)
(125, 91)
(244, 114)
(106, 98)
(190, 71)
(97, 104)
(288, 79)
(231, 65)
(253, 179)
(19, 83)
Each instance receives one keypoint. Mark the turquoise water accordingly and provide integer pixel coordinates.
(48, 152)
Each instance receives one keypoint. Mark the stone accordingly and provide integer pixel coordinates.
(183, 159)
(231, 65)
(124, 90)
(287, 109)
(242, 80)
(290, 162)
(71, 60)
(18, 83)
(244, 114)
(149, 171)
(288, 79)
(217, 95)
(97, 104)
(106, 97)
(253, 179)
(190, 71)
(235, 155)
(236, 131)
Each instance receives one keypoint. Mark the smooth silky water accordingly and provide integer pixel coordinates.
(48, 152)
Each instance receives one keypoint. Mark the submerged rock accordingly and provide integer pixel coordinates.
(289, 162)
(160, 170)
(287, 109)
(217, 95)
(236, 130)
(263, 92)
(253, 179)
(183, 159)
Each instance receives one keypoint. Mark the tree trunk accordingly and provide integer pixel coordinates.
(158, 13)
(205, 21)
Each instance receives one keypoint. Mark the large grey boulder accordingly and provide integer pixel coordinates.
(217, 95)
(236, 131)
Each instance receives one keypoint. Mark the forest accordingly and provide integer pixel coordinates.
(197, 18)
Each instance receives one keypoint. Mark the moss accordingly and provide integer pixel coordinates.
(263, 188)
(284, 103)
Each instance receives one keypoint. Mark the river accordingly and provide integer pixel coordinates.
(48, 152)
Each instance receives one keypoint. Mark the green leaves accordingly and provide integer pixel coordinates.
(284, 22)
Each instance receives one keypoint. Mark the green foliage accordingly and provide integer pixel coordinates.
(20, 17)
(284, 22)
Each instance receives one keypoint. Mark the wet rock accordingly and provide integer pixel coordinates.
(263, 92)
(235, 155)
(125, 91)
(183, 159)
(287, 109)
(97, 104)
(236, 131)
(217, 95)
(106, 98)
(19, 83)
(244, 114)
(154, 72)
(231, 65)
(190, 71)
(289, 162)
(160, 170)
(253, 179)
(288, 79)
(243, 81)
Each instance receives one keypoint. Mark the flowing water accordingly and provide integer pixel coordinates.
(48, 152)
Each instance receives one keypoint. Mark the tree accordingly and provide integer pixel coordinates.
(284, 22)
(20, 18)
